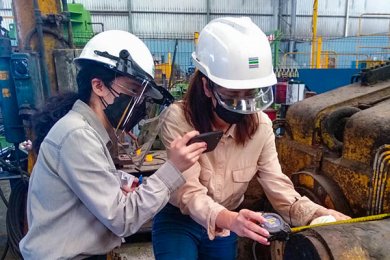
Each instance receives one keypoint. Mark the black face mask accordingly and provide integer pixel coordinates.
(228, 116)
(115, 111)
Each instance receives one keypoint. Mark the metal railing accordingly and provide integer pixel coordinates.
(350, 52)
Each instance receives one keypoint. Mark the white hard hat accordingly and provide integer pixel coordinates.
(124, 53)
(235, 54)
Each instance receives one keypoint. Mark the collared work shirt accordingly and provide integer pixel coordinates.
(75, 206)
(220, 178)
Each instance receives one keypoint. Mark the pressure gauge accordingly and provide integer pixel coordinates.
(276, 226)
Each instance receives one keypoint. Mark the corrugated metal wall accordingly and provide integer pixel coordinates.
(332, 17)
(6, 12)
(177, 17)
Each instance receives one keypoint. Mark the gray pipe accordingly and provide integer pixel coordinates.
(346, 24)
(293, 23)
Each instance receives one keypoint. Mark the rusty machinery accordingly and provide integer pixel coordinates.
(336, 149)
(28, 78)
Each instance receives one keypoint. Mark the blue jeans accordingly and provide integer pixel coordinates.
(177, 236)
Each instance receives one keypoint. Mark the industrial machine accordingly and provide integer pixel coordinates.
(336, 150)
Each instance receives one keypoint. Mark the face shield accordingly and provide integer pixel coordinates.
(136, 109)
(245, 101)
(138, 123)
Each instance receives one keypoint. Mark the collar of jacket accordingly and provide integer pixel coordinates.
(83, 109)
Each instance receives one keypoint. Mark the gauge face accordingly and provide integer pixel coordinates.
(273, 223)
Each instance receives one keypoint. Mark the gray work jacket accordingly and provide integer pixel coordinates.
(75, 206)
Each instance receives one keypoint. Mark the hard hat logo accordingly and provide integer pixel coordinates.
(253, 62)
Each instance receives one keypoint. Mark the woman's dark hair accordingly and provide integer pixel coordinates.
(198, 111)
(43, 120)
(59, 105)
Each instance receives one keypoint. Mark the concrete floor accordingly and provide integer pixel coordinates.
(129, 251)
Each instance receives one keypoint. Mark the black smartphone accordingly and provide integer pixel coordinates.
(211, 138)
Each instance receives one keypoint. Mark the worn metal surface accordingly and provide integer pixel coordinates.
(66, 69)
(336, 148)
(363, 240)
(26, 24)
(304, 118)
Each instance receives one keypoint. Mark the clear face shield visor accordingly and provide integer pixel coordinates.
(141, 104)
(246, 101)
(139, 122)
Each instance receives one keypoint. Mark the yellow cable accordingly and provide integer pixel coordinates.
(347, 221)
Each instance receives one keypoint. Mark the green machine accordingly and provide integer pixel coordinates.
(81, 24)
(274, 39)
(178, 90)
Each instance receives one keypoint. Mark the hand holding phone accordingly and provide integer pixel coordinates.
(211, 138)
(183, 156)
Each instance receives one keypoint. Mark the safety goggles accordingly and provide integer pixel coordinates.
(245, 101)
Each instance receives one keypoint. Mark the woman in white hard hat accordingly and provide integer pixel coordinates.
(76, 207)
(230, 88)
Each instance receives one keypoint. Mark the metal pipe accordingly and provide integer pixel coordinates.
(346, 24)
(130, 15)
(368, 14)
(30, 34)
(41, 47)
(280, 14)
(314, 30)
(275, 5)
(173, 65)
(101, 24)
(293, 24)
(319, 49)
(208, 10)
(70, 30)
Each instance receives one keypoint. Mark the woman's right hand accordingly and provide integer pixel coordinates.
(183, 156)
(245, 223)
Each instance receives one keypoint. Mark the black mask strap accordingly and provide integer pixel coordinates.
(113, 92)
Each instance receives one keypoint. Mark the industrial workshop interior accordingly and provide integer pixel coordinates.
(327, 104)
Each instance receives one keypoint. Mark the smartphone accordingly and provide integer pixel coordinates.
(211, 138)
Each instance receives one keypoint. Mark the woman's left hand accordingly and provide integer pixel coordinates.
(126, 189)
(324, 212)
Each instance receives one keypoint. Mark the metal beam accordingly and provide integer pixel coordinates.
(346, 24)
(314, 36)
(293, 22)
(276, 14)
(208, 11)
(130, 15)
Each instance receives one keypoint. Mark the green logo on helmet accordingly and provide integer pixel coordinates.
(253, 62)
